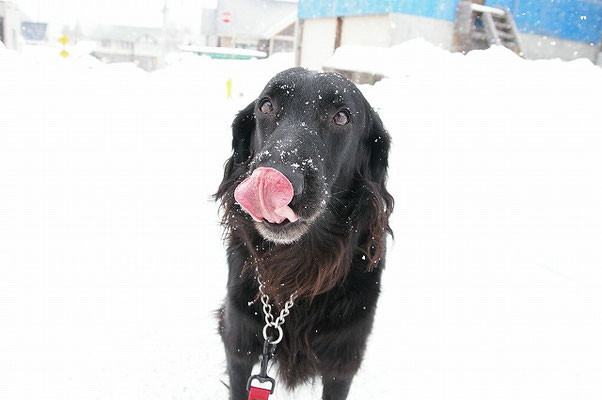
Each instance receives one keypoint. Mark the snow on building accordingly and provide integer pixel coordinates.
(263, 25)
(10, 25)
(567, 29)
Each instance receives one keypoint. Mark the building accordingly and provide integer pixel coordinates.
(565, 29)
(262, 25)
(10, 25)
(140, 45)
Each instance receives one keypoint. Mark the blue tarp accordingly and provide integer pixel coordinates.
(579, 20)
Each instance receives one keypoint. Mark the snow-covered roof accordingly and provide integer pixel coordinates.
(127, 33)
(259, 19)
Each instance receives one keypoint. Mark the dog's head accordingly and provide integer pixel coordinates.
(307, 139)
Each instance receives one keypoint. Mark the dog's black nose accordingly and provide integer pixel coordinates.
(297, 180)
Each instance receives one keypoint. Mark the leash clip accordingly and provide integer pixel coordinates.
(256, 393)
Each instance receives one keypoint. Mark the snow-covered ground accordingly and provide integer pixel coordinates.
(111, 261)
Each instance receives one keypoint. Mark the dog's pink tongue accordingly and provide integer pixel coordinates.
(266, 194)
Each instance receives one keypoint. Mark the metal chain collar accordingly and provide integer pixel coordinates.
(270, 321)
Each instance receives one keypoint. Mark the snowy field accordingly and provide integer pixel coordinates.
(111, 261)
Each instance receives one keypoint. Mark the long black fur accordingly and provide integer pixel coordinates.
(335, 267)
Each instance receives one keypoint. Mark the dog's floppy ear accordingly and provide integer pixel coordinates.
(375, 215)
(243, 128)
(378, 143)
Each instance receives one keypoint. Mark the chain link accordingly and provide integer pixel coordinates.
(270, 321)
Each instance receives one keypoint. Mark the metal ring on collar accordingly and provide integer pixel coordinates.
(278, 328)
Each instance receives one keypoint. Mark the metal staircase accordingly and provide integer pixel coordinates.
(478, 27)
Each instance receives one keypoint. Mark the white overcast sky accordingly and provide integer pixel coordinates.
(125, 12)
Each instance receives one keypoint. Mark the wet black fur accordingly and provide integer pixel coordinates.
(337, 263)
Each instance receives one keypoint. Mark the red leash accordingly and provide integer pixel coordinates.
(258, 394)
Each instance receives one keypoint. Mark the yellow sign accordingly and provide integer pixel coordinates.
(64, 40)
(229, 87)
(64, 53)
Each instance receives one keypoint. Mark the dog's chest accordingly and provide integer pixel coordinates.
(331, 313)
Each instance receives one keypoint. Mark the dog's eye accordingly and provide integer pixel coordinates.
(341, 118)
(266, 107)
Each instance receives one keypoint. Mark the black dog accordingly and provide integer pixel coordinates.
(306, 209)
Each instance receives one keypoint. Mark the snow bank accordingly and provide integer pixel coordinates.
(111, 261)
(418, 56)
(391, 61)
(495, 280)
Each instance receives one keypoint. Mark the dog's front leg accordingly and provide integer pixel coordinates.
(239, 370)
(338, 367)
(242, 345)
(335, 387)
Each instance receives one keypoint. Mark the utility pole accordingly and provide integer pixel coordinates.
(166, 33)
